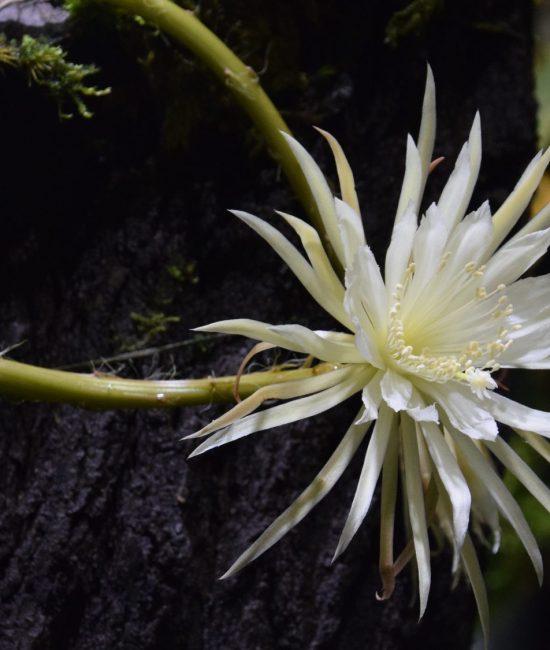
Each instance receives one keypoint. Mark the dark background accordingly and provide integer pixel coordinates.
(109, 537)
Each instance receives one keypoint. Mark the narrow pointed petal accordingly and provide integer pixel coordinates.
(426, 136)
(431, 235)
(484, 507)
(366, 292)
(321, 194)
(452, 479)
(504, 500)
(388, 500)
(396, 390)
(253, 329)
(316, 254)
(366, 485)
(475, 576)
(457, 193)
(287, 390)
(412, 181)
(298, 409)
(365, 340)
(538, 444)
(372, 396)
(419, 411)
(514, 206)
(301, 339)
(519, 468)
(464, 410)
(399, 251)
(540, 221)
(310, 497)
(345, 174)
(417, 513)
(351, 230)
(515, 258)
(466, 246)
(297, 338)
(517, 415)
(469, 240)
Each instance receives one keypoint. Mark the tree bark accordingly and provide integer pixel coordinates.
(109, 537)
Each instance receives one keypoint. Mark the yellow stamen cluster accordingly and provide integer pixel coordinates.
(471, 364)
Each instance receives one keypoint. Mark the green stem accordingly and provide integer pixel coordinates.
(240, 79)
(22, 381)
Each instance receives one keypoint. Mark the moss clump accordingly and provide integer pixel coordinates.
(46, 65)
(413, 20)
(149, 326)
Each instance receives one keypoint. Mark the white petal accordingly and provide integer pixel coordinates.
(317, 256)
(519, 468)
(322, 345)
(297, 409)
(431, 236)
(538, 444)
(530, 346)
(504, 500)
(457, 193)
(345, 174)
(475, 576)
(396, 390)
(464, 410)
(365, 302)
(310, 497)
(365, 340)
(511, 210)
(286, 390)
(469, 240)
(366, 485)
(517, 415)
(484, 509)
(417, 514)
(253, 329)
(321, 194)
(467, 245)
(426, 136)
(412, 181)
(540, 221)
(351, 230)
(399, 251)
(418, 411)
(514, 258)
(366, 292)
(452, 479)
(301, 339)
(372, 396)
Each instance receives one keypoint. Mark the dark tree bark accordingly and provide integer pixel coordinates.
(109, 537)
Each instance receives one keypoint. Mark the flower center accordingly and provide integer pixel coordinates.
(462, 341)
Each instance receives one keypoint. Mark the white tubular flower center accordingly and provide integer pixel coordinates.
(422, 350)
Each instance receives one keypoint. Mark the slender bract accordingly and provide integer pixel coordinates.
(422, 343)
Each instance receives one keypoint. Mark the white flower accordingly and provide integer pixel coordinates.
(421, 344)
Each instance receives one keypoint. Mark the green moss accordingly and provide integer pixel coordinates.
(46, 65)
(183, 272)
(413, 20)
(148, 327)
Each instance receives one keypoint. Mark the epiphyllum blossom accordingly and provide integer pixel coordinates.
(421, 343)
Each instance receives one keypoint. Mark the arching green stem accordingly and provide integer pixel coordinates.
(22, 381)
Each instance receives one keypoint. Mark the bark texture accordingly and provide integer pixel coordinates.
(109, 537)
